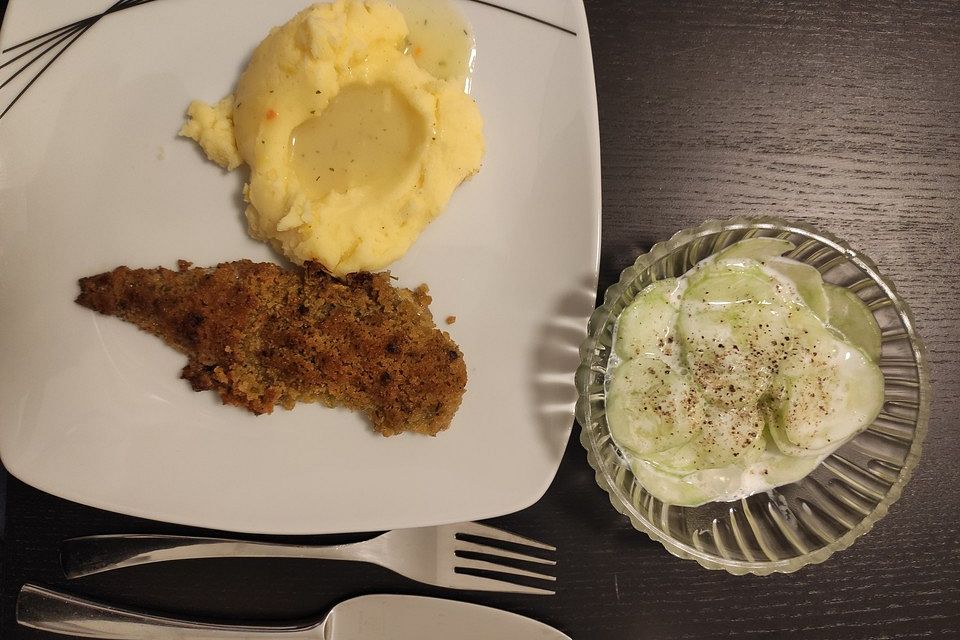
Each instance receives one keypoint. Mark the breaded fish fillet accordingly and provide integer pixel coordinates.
(260, 336)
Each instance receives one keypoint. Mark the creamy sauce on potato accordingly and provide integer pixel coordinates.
(439, 39)
(365, 136)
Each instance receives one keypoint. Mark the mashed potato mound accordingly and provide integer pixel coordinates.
(352, 147)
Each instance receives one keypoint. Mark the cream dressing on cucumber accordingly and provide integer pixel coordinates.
(740, 376)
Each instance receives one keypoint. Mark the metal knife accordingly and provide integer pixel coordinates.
(373, 617)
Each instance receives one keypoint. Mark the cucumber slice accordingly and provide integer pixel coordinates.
(837, 395)
(850, 316)
(645, 326)
(771, 469)
(726, 438)
(730, 287)
(733, 482)
(668, 488)
(759, 249)
(775, 469)
(806, 280)
(650, 407)
(730, 321)
(677, 461)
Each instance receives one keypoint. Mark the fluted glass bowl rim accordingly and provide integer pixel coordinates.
(588, 360)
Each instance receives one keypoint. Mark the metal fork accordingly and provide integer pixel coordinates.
(428, 554)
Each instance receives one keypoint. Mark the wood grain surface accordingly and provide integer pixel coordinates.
(845, 115)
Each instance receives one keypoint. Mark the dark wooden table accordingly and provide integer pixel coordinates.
(845, 115)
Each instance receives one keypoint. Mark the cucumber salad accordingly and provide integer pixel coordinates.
(740, 376)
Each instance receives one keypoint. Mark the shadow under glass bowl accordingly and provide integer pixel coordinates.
(805, 522)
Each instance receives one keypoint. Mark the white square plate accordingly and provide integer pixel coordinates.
(92, 176)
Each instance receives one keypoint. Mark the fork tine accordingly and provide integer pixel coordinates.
(486, 531)
(476, 547)
(480, 583)
(472, 563)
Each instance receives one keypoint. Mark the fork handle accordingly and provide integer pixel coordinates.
(95, 554)
(55, 612)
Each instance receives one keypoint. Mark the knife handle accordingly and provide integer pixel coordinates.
(88, 555)
(55, 612)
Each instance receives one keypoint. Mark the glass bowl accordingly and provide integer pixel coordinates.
(797, 524)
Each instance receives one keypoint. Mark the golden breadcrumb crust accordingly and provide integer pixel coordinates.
(261, 335)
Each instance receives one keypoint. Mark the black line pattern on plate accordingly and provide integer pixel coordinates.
(62, 38)
(486, 3)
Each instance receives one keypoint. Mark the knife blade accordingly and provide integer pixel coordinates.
(396, 617)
